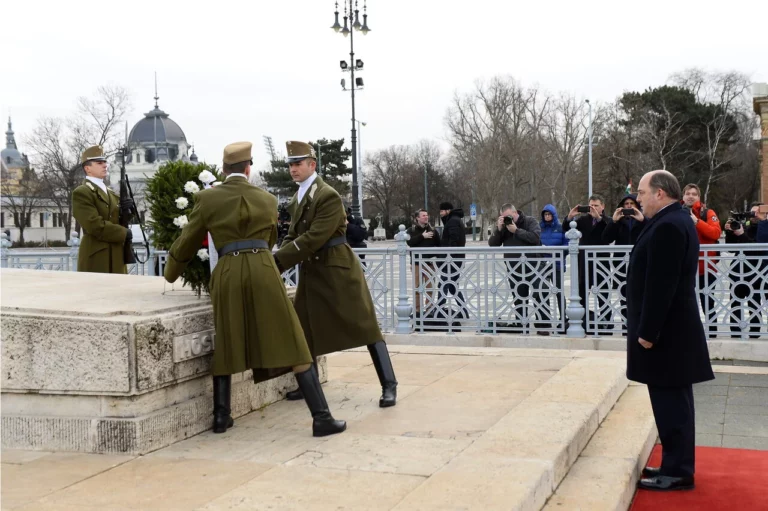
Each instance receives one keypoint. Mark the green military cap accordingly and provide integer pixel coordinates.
(93, 153)
(237, 152)
(298, 151)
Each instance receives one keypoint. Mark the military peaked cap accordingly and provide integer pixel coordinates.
(298, 151)
(237, 152)
(93, 153)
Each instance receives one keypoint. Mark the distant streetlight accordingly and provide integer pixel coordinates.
(353, 16)
(360, 159)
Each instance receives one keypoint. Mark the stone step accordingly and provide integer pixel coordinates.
(519, 461)
(606, 473)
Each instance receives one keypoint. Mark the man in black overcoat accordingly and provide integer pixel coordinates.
(666, 346)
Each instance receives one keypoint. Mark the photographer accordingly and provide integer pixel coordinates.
(749, 293)
(591, 221)
(423, 235)
(514, 229)
(357, 234)
(708, 230)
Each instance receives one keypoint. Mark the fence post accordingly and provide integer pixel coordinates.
(575, 310)
(5, 243)
(403, 307)
(74, 248)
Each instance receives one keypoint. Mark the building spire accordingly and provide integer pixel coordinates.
(156, 96)
(10, 141)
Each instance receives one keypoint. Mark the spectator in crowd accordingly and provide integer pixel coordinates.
(357, 234)
(752, 290)
(708, 230)
(423, 235)
(553, 235)
(514, 229)
(624, 230)
(453, 236)
(591, 224)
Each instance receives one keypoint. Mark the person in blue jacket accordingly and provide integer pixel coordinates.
(553, 235)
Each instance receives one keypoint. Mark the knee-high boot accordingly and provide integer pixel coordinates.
(323, 423)
(386, 373)
(296, 395)
(222, 395)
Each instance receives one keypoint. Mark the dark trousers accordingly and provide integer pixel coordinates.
(676, 422)
(602, 300)
(708, 304)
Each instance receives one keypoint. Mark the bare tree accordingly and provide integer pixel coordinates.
(57, 143)
(21, 197)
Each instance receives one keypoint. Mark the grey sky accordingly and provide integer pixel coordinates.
(236, 70)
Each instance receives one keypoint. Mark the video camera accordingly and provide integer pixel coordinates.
(737, 218)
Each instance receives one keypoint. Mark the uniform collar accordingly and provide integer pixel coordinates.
(237, 174)
(304, 186)
(98, 182)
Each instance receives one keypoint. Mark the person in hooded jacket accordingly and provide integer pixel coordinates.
(624, 231)
(357, 234)
(553, 235)
(453, 236)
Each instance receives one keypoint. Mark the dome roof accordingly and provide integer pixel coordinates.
(156, 126)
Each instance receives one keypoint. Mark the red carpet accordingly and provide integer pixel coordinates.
(726, 479)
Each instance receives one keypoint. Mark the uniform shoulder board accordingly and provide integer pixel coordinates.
(89, 185)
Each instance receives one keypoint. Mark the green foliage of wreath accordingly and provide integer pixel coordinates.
(162, 190)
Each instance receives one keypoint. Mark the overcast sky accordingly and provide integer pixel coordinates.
(233, 70)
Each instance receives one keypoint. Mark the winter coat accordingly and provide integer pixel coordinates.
(552, 233)
(417, 239)
(101, 249)
(662, 306)
(708, 230)
(256, 325)
(356, 233)
(453, 231)
(626, 230)
(332, 300)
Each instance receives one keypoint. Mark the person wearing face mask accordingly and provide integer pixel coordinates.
(97, 209)
(752, 290)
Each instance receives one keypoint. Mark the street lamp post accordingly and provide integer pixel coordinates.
(320, 158)
(353, 15)
(360, 159)
(589, 132)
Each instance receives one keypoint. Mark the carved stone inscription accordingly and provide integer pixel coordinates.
(186, 347)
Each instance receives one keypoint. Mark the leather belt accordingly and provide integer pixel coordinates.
(237, 246)
(339, 240)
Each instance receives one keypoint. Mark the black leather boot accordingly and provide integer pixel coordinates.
(385, 372)
(222, 395)
(323, 423)
(296, 395)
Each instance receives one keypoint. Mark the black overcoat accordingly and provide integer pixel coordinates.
(661, 304)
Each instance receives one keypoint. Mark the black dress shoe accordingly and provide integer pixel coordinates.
(651, 471)
(666, 483)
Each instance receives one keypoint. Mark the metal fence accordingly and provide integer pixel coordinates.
(571, 290)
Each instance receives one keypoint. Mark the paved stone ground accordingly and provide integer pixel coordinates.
(732, 410)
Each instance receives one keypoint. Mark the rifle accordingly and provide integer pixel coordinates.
(127, 214)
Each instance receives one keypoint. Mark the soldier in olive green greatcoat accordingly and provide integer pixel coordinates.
(256, 325)
(332, 298)
(96, 208)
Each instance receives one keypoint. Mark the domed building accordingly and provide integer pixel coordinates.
(153, 141)
(13, 163)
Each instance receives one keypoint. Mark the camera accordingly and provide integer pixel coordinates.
(583, 209)
(627, 211)
(508, 220)
(738, 217)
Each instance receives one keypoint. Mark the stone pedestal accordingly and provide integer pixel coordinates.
(110, 363)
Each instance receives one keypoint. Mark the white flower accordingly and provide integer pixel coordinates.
(180, 221)
(215, 183)
(191, 187)
(206, 177)
(182, 202)
(203, 254)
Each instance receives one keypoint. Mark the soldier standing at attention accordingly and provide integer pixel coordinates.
(96, 208)
(256, 325)
(332, 299)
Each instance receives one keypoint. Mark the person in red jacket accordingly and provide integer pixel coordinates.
(709, 230)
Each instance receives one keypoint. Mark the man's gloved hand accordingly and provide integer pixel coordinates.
(277, 263)
(127, 204)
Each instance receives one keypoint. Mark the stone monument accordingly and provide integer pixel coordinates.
(110, 363)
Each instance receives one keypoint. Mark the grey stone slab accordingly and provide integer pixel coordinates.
(710, 423)
(710, 408)
(720, 379)
(711, 390)
(753, 396)
(746, 409)
(749, 380)
(709, 400)
(709, 440)
(745, 442)
(751, 363)
(746, 425)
